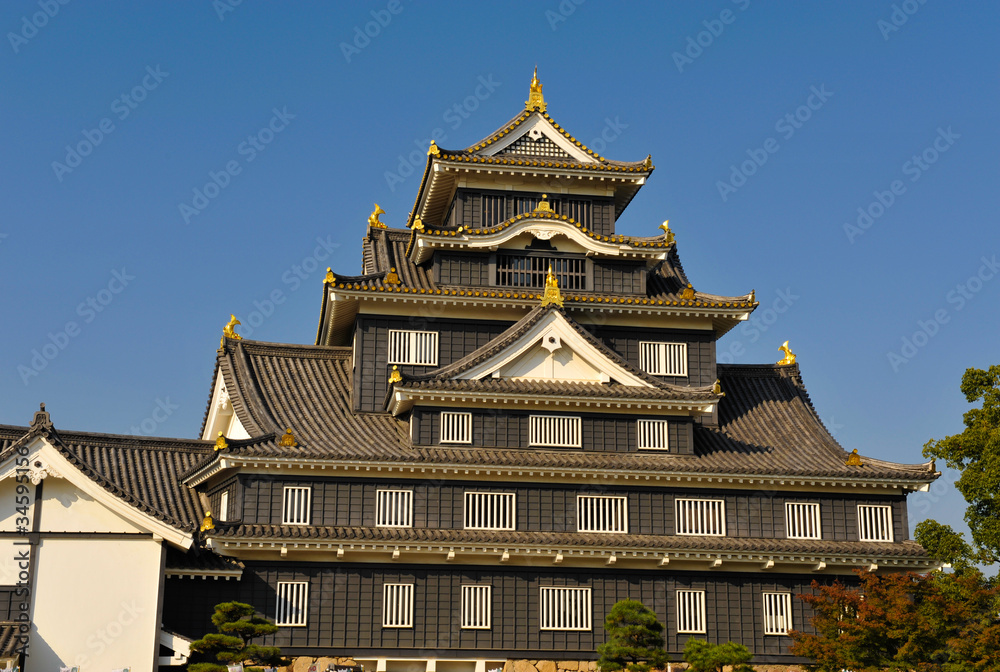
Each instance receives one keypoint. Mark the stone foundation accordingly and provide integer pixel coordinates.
(303, 663)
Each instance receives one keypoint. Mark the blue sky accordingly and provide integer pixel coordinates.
(770, 124)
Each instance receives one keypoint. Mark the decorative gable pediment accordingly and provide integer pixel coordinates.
(537, 137)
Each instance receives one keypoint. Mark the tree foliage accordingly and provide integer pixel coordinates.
(237, 624)
(635, 639)
(705, 657)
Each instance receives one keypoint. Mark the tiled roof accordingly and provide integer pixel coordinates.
(199, 561)
(10, 645)
(558, 387)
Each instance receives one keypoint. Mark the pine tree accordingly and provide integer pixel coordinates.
(705, 657)
(237, 624)
(635, 639)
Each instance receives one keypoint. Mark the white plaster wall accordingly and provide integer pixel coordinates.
(65, 508)
(8, 504)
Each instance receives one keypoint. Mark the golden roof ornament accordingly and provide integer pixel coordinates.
(207, 523)
(753, 296)
(688, 293)
(373, 219)
(543, 207)
(789, 357)
(535, 99)
(330, 277)
(220, 442)
(418, 224)
(551, 295)
(391, 278)
(395, 376)
(668, 235)
(717, 388)
(433, 150)
(648, 163)
(229, 332)
(287, 439)
(854, 460)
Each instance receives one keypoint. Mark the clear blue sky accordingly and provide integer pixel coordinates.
(900, 92)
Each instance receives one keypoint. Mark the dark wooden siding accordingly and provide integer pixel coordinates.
(467, 208)
(215, 500)
(10, 602)
(700, 350)
(619, 277)
(470, 270)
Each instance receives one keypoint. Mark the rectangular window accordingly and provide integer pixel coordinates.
(224, 506)
(296, 505)
(564, 609)
(489, 511)
(494, 210)
(705, 517)
(599, 513)
(476, 606)
(397, 605)
(690, 611)
(413, 347)
(663, 359)
(652, 434)
(578, 210)
(456, 427)
(874, 523)
(515, 270)
(293, 597)
(802, 521)
(777, 613)
(394, 508)
(554, 430)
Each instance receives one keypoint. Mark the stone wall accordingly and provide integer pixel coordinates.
(303, 663)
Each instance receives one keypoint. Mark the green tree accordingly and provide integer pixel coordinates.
(237, 624)
(635, 639)
(947, 545)
(705, 657)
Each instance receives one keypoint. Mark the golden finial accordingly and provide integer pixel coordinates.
(373, 219)
(433, 150)
(551, 294)
(395, 376)
(543, 207)
(220, 442)
(207, 523)
(287, 439)
(753, 296)
(668, 235)
(228, 332)
(330, 277)
(391, 278)
(648, 163)
(717, 388)
(688, 293)
(535, 99)
(854, 460)
(789, 357)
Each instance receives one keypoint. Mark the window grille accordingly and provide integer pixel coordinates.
(802, 521)
(777, 613)
(397, 605)
(456, 427)
(543, 147)
(690, 611)
(394, 508)
(564, 609)
(652, 434)
(705, 517)
(663, 359)
(293, 597)
(516, 270)
(413, 347)
(554, 430)
(296, 505)
(874, 523)
(489, 511)
(224, 506)
(599, 513)
(578, 210)
(494, 210)
(476, 607)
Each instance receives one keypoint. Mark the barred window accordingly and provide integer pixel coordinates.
(802, 521)
(652, 434)
(704, 517)
(564, 608)
(690, 611)
(397, 605)
(600, 513)
(663, 359)
(518, 270)
(578, 210)
(224, 506)
(476, 607)
(394, 508)
(296, 507)
(293, 598)
(413, 347)
(456, 427)
(777, 613)
(554, 430)
(489, 511)
(874, 523)
(494, 210)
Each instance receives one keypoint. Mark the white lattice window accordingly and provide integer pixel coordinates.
(663, 359)
(777, 613)
(559, 431)
(690, 611)
(489, 511)
(413, 347)
(394, 508)
(802, 521)
(652, 434)
(476, 607)
(600, 513)
(293, 599)
(224, 506)
(397, 605)
(564, 609)
(295, 508)
(704, 517)
(874, 523)
(456, 427)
